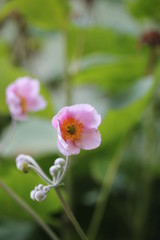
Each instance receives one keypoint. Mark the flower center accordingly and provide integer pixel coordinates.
(71, 129)
(23, 104)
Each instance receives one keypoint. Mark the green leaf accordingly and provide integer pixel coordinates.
(35, 136)
(114, 76)
(99, 40)
(40, 13)
(117, 122)
(17, 230)
(145, 9)
(23, 184)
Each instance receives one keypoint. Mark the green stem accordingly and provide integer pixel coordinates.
(105, 190)
(30, 211)
(70, 215)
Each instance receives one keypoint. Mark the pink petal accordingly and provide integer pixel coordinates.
(36, 104)
(90, 139)
(59, 117)
(67, 150)
(86, 114)
(27, 87)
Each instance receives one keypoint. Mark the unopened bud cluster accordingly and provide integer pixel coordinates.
(57, 168)
(39, 193)
(57, 171)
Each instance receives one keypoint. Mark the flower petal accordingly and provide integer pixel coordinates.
(35, 104)
(62, 114)
(86, 114)
(90, 139)
(67, 149)
(27, 87)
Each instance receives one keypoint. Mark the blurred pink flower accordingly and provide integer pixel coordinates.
(23, 97)
(77, 128)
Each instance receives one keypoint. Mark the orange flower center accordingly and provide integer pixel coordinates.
(71, 129)
(23, 104)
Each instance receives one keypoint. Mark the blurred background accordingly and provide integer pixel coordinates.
(101, 52)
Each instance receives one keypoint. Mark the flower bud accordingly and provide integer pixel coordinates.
(54, 170)
(22, 163)
(59, 161)
(40, 196)
(32, 194)
(46, 189)
(40, 187)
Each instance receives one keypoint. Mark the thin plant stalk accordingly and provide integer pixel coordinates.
(105, 190)
(70, 215)
(29, 210)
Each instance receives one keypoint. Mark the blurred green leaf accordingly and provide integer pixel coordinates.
(118, 122)
(145, 9)
(114, 76)
(35, 136)
(17, 230)
(99, 40)
(23, 184)
(40, 13)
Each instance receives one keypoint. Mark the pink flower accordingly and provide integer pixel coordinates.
(77, 128)
(23, 97)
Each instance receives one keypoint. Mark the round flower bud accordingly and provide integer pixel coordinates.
(20, 160)
(32, 194)
(59, 161)
(40, 196)
(40, 187)
(54, 170)
(46, 189)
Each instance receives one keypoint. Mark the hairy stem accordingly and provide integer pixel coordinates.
(70, 215)
(30, 211)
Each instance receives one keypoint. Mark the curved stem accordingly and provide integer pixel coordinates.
(8, 137)
(41, 174)
(63, 173)
(30, 211)
(70, 215)
(104, 192)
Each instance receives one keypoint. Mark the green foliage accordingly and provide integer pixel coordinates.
(40, 13)
(148, 9)
(23, 184)
(42, 137)
(114, 76)
(10, 228)
(99, 40)
(118, 122)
